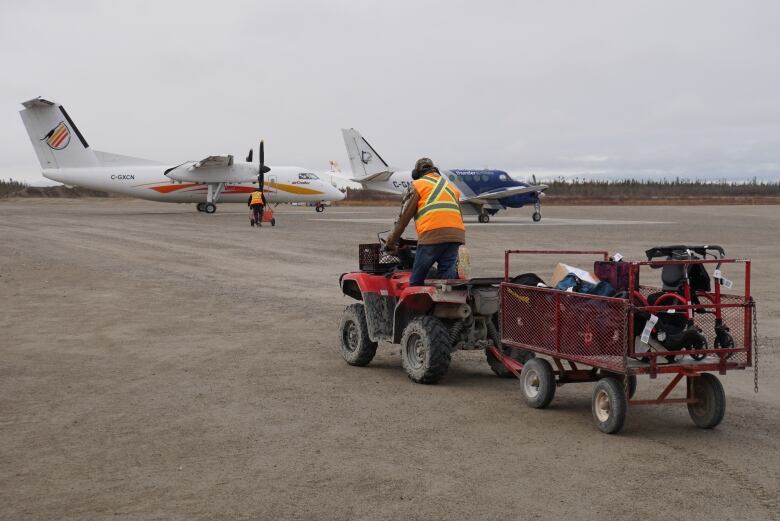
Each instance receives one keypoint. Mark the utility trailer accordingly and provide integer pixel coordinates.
(601, 339)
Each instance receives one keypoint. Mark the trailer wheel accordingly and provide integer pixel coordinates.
(537, 383)
(629, 386)
(425, 350)
(356, 346)
(710, 407)
(609, 405)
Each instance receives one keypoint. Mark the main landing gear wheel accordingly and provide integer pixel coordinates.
(483, 218)
(536, 217)
(356, 347)
(609, 405)
(710, 406)
(320, 208)
(537, 383)
(209, 207)
(425, 350)
(200, 206)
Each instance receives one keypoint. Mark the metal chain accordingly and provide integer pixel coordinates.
(755, 345)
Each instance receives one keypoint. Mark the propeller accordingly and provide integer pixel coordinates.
(533, 176)
(249, 155)
(262, 169)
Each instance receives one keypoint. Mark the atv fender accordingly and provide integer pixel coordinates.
(419, 300)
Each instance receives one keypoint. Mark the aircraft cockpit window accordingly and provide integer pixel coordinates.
(306, 175)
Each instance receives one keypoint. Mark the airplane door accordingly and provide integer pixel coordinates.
(270, 186)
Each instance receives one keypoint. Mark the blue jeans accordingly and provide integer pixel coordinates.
(444, 255)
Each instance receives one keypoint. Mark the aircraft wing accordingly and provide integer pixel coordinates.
(212, 161)
(379, 176)
(500, 194)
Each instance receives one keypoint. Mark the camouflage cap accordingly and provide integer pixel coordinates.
(423, 164)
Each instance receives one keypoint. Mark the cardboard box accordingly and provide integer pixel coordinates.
(561, 270)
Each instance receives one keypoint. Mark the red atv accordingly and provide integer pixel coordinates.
(430, 322)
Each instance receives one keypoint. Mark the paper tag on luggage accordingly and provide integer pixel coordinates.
(727, 283)
(648, 328)
(617, 257)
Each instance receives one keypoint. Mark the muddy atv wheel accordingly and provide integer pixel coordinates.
(537, 383)
(425, 350)
(710, 406)
(355, 344)
(609, 405)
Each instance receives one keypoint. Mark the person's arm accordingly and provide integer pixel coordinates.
(407, 214)
(249, 201)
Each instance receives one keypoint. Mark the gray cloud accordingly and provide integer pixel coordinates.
(614, 87)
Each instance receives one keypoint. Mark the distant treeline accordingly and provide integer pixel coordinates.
(9, 187)
(663, 188)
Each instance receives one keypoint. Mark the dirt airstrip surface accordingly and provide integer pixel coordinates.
(158, 363)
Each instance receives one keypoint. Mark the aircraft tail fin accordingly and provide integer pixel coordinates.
(366, 162)
(55, 138)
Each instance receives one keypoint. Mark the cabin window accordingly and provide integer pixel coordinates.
(485, 178)
(452, 177)
(502, 177)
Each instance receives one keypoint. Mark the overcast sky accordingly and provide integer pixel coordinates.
(621, 87)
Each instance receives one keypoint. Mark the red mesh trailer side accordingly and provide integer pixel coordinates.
(572, 326)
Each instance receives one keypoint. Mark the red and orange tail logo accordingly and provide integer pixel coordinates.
(58, 137)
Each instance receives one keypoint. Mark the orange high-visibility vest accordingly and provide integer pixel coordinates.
(257, 197)
(438, 205)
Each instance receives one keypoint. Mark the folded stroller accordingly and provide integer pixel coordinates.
(681, 285)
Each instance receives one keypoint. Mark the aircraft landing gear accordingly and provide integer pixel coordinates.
(537, 216)
(484, 218)
(214, 191)
(319, 207)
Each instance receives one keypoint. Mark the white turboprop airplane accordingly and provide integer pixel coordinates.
(66, 157)
(483, 192)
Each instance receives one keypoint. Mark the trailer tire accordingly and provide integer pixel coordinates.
(355, 345)
(425, 350)
(630, 385)
(609, 405)
(537, 383)
(711, 407)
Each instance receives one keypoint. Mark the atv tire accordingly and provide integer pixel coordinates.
(355, 345)
(425, 350)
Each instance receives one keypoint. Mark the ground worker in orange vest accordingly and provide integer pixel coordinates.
(434, 203)
(256, 203)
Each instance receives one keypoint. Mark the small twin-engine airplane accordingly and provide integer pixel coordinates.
(66, 157)
(483, 192)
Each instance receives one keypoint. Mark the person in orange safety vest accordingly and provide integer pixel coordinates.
(434, 203)
(256, 203)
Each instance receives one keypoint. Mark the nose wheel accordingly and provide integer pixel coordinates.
(537, 215)
(483, 218)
